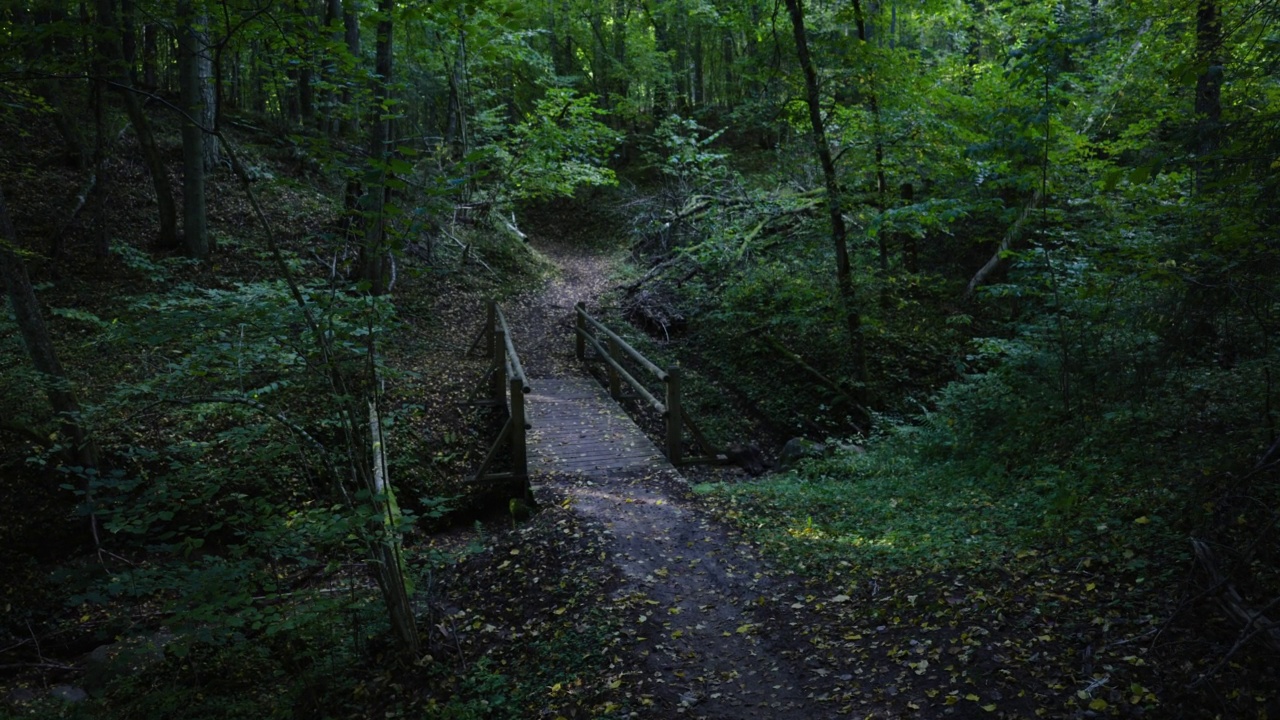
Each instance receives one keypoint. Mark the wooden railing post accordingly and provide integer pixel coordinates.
(499, 384)
(580, 322)
(674, 420)
(491, 323)
(615, 387)
(519, 453)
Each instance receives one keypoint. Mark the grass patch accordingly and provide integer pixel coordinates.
(893, 509)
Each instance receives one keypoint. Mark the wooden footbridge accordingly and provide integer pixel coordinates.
(576, 424)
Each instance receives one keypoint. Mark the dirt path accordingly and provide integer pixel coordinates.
(698, 608)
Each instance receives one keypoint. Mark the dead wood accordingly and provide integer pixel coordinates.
(816, 374)
(1010, 237)
(653, 272)
(1252, 622)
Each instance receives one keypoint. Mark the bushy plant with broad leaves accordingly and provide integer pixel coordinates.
(555, 149)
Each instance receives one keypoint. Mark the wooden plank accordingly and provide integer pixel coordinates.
(579, 429)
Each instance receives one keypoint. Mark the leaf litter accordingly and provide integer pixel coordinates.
(628, 596)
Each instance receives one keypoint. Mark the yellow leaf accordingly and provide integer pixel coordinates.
(1098, 704)
(677, 635)
(1142, 520)
(951, 700)
(558, 611)
(615, 684)
(744, 628)
(989, 708)
(972, 697)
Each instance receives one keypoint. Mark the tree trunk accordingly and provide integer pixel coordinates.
(1208, 106)
(66, 126)
(619, 86)
(873, 104)
(208, 117)
(329, 99)
(166, 208)
(35, 337)
(388, 556)
(839, 240)
(373, 251)
(149, 78)
(351, 30)
(129, 39)
(195, 235)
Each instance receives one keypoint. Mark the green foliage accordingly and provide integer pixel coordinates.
(559, 146)
(684, 152)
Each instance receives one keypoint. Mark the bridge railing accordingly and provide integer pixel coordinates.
(612, 350)
(507, 387)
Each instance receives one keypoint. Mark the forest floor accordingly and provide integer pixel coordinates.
(632, 597)
(692, 597)
(641, 595)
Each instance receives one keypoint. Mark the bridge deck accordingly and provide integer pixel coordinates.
(578, 428)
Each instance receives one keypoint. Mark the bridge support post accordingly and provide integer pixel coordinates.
(580, 336)
(491, 323)
(675, 421)
(519, 452)
(615, 387)
(498, 385)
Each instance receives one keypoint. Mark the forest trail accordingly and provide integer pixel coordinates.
(701, 612)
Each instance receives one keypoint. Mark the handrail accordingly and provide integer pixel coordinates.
(635, 384)
(508, 386)
(626, 347)
(606, 343)
(511, 348)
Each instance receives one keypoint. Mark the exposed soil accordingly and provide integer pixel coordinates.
(702, 630)
(694, 603)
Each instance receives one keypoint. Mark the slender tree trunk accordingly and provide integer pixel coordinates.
(699, 88)
(839, 240)
(351, 31)
(257, 93)
(208, 89)
(35, 337)
(373, 252)
(1208, 105)
(101, 230)
(306, 73)
(65, 125)
(329, 99)
(166, 208)
(882, 187)
(129, 39)
(195, 235)
(149, 79)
